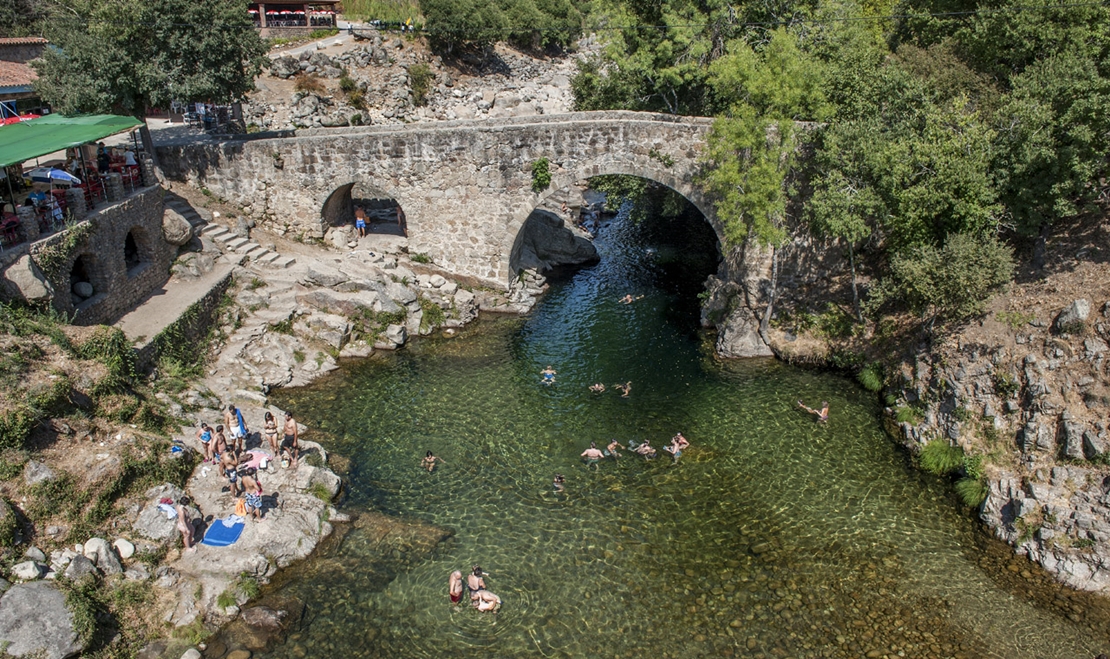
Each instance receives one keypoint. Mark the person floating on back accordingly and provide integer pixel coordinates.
(597, 388)
(822, 416)
(548, 375)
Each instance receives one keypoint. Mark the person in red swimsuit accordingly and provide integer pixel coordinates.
(455, 587)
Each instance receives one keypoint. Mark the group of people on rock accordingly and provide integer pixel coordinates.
(480, 598)
(238, 466)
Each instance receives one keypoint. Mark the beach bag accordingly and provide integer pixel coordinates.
(241, 507)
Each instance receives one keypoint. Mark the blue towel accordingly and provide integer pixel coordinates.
(222, 535)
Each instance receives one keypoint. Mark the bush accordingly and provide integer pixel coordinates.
(347, 83)
(972, 491)
(356, 99)
(871, 377)
(356, 119)
(950, 283)
(310, 84)
(908, 414)
(323, 33)
(1005, 385)
(420, 78)
(939, 457)
(541, 175)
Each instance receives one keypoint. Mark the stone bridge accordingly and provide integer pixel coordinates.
(465, 186)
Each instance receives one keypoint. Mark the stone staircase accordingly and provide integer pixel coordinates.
(228, 241)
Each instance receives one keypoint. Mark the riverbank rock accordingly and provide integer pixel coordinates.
(546, 242)
(29, 570)
(100, 552)
(34, 620)
(152, 522)
(1072, 317)
(23, 279)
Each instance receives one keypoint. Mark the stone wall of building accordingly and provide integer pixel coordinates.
(465, 186)
(98, 247)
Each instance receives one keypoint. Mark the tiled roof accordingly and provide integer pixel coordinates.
(21, 41)
(15, 74)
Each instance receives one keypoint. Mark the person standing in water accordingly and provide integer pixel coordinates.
(429, 462)
(613, 449)
(455, 587)
(822, 416)
(548, 375)
(678, 442)
(559, 483)
(592, 456)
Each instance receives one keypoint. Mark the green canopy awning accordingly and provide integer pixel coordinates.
(30, 139)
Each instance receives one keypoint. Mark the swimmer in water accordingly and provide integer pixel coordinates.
(429, 462)
(592, 456)
(559, 483)
(822, 416)
(645, 450)
(455, 587)
(548, 374)
(597, 388)
(625, 388)
(613, 449)
(678, 442)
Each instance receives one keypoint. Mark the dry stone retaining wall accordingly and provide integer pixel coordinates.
(465, 187)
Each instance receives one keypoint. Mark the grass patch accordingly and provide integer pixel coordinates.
(310, 84)
(1005, 384)
(298, 356)
(972, 491)
(908, 414)
(284, 327)
(320, 491)
(1015, 320)
(871, 377)
(433, 315)
(421, 257)
(939, 457)
(256, 283)
(323, 33)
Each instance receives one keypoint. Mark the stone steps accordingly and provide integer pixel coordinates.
(227, 239)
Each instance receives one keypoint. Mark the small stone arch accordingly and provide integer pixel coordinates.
(383, 210)
(682, 186)
(137, 250)
(83, 278)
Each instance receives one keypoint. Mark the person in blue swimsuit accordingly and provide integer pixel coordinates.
(205, 437)
(548, 375)
(360, 221)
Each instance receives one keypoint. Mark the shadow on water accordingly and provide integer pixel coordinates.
(773, 536)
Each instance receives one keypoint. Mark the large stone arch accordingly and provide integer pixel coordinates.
(563, 180)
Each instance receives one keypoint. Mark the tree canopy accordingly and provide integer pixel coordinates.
(126, 56)
(933, 128)
(534, 24)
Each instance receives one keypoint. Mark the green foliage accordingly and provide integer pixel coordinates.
(8, 528)
(356, 118)
(939, 457)
(950, 283)
(972, 491)
(834, 322)
(871, 377)
(57, 252)
(298, 356)
(1005, 384)
(908, 414)
(225, 599)
(1014, 319)
(122, 56)
(420, 78)
(40, 402)
(390, 11)
(109, 346)
(283, 327)
(433, 315)
(421, 257)
(541, 176)
(323, 33)
(320, 491)
(347, 84)
(84, 602)
(357, 100)
(531, 24)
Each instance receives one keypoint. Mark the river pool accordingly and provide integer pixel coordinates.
(773, 536)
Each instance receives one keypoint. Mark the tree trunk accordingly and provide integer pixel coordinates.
(855, 290)
(148, 140)
(1039, 248)
(765, 323)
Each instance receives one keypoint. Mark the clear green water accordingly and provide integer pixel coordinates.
(774, 536)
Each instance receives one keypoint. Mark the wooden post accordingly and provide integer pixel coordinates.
(262, 14)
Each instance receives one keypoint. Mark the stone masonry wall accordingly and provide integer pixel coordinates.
(465, 187)
(116, 288)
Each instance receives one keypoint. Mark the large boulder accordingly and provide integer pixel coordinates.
(100, 552)
(342, 304)
(545, 243)
(34, 620)
(284, 67)
(152, 522)
(1072, 317)
(319, 274)
(23, 279)
(79, 567)
(35, 472)
(176, 230)
(739, 335)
